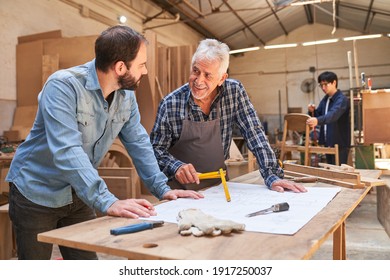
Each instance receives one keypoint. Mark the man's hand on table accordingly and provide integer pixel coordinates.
(282, 185)
(135, 208)
(132, 208)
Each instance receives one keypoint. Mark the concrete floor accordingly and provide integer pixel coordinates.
(365, 236)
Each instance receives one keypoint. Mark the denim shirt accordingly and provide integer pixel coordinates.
(73, 130)
(337, 120)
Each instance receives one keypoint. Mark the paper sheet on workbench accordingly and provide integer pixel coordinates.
(248, 198)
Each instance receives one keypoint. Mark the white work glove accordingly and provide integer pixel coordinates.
(194, 221)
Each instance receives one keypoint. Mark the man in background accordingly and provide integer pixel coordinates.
(332, 115)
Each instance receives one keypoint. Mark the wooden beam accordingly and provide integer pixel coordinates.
(344, 179)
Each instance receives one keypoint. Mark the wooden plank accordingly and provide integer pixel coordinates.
(339, 245)
(343, 167)
(321, 172)
(6, 240)
(24, 116)
(367, 176)
(371, 182)
(322, 150)
(163, 69)
(119, 171)
(50, 64)
(326, 180)
(375, 106)
(374, 131)
(251, 162)
(4, 188)
(369, 173)
(175, 67)
(55, 34)
(72, 51)
(28, 74)
(345, 179)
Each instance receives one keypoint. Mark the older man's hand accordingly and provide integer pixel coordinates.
(282, 185)
(175, 194)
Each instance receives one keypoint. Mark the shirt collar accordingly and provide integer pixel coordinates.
(92, 82)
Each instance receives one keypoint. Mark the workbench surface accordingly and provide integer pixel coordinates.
(166, 243)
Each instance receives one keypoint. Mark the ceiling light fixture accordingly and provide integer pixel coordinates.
(372, 36)
(122, 19)
(280, 46)
(320, 42)
(244, 50)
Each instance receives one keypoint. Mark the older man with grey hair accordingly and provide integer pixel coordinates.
(194, 125)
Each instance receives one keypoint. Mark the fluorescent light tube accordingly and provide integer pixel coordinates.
(372, 36)
(245, 50)
(308, 2)
(280, 46)
(320, 42)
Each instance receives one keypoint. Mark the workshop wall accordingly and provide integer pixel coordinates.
(273, 77)
(74, 18)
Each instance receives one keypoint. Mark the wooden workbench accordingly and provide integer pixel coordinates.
(169, 244)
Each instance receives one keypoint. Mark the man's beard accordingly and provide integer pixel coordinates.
(127, 81)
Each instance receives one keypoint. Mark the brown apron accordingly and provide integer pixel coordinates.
(199, 144)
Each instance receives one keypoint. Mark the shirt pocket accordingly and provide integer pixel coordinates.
(118, 121)
(85, 125)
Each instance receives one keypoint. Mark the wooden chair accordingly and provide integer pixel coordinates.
(296, 122)
(326, 150)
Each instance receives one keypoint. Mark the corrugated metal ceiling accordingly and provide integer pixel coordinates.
(246, 23)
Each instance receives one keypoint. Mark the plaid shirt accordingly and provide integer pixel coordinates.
(236, 109)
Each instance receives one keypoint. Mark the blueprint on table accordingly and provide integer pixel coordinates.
(248, 198)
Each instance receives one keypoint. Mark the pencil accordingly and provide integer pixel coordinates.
(224, 184)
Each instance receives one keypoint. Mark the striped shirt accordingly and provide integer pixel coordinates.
(236, 109)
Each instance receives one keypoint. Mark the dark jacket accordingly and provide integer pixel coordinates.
(337, 120)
